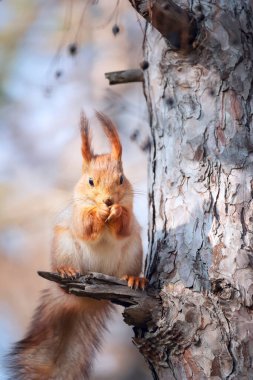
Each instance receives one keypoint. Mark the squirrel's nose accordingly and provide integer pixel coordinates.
(108, 202)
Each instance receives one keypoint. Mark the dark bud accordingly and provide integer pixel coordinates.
(48, 92)
(115, 29)
(144, 65)
(145, 147)
(72, 49)
(58, 74)
(134, 135)
(211, 92)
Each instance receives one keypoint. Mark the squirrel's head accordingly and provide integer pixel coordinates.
(103, 180)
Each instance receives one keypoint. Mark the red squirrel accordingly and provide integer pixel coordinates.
(99, 233)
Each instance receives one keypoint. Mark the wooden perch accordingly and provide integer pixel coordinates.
(139, 304)
(177, 25)
(125, 76)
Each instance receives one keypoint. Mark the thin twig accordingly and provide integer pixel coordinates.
(125, 76)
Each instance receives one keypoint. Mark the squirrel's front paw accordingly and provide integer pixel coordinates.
(67, 271)
(135, 282)
(115, 213)
(103, 211)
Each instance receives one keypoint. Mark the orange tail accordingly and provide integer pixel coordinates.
(63, 337)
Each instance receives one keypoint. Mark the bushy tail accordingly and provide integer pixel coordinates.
(62, 339)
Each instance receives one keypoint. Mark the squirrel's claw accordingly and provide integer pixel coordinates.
(115, 212)
(135, 282)
(66, 271)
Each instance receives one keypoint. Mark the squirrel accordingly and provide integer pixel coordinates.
(98, 233)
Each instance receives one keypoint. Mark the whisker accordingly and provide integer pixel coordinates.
(130, 196)
(134, 192)
(138, 183)
(139, 189)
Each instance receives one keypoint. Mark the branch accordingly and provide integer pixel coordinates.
(139, 304)
(125, 76)
(177, 25)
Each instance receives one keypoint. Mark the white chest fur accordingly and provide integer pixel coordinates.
(103, 256)
(109, 255)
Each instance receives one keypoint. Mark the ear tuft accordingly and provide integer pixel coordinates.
(86, 138)
(112, 134)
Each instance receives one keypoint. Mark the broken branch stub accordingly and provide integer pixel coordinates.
(125, 76)
(139, 304)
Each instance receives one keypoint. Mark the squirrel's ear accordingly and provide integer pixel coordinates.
(86, 138)
(112, 134)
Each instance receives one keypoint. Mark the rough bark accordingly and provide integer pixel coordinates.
(200, 181)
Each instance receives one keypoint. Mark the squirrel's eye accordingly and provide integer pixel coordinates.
(121, 179)
(91, 182)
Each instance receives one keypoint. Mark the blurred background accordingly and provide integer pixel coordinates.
(53, 56)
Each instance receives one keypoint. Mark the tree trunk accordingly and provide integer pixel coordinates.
(200, 197)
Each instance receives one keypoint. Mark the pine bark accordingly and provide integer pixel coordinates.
(200, 197)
